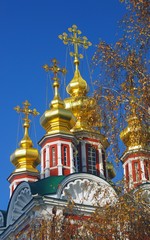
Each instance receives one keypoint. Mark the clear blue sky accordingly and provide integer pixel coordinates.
(29, 32)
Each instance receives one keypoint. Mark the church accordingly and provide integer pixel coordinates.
(73, 163)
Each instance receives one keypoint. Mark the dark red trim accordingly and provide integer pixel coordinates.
(134, 155)
(147, 169)
(91, 140)
(127, 173)
(53, 139)
(24, 175)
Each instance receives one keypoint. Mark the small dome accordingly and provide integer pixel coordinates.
(136, 134)
(78, 86)
(25, 158)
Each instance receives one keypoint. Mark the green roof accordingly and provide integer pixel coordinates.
(47, 185)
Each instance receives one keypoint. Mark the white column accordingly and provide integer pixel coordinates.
(142, 170)
(83, 156)
(72, 170)
(101, 166)
(130, 174)
(47, 167)
(42, 170)
(10, 188)
(59, 159)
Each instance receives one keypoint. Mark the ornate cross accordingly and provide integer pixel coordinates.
(55, 69)
(76, 41)
(26, 111)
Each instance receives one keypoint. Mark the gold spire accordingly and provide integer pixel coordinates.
(78, 86)
(136, 134)
(26, 158)
(57, 118)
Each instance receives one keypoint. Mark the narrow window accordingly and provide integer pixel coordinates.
(53, 156)
(136, 172)
(65, 155)
(91, 159)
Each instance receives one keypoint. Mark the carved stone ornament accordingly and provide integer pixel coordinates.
(21, 197)
(89, 192)
(1, 219)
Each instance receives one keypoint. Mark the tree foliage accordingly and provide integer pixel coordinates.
(122, 73)
(128, 218)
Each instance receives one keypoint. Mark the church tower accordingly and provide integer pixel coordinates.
(136, 158)
(91, 144)
(59, 144)
(25, 158)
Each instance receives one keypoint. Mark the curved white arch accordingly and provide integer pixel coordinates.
(143, 191)
(20, 198)
(1, 219)
(84, 188)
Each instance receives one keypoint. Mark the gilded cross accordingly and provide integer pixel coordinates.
(76, 40)
(26, 111)
(55, 69)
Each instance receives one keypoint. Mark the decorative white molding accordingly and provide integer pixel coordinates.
(86, 189)
(143, 191)
(20, 198)
(1, 219)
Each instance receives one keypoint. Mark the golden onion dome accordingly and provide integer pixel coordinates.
(77, 86)
(26, 158)
(57, 119)
(80, 107)
(136, 135)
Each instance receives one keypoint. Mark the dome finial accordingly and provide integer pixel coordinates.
(57, 119)
(76, 41)
(26, 141)
(55, 69)
(78, 86)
